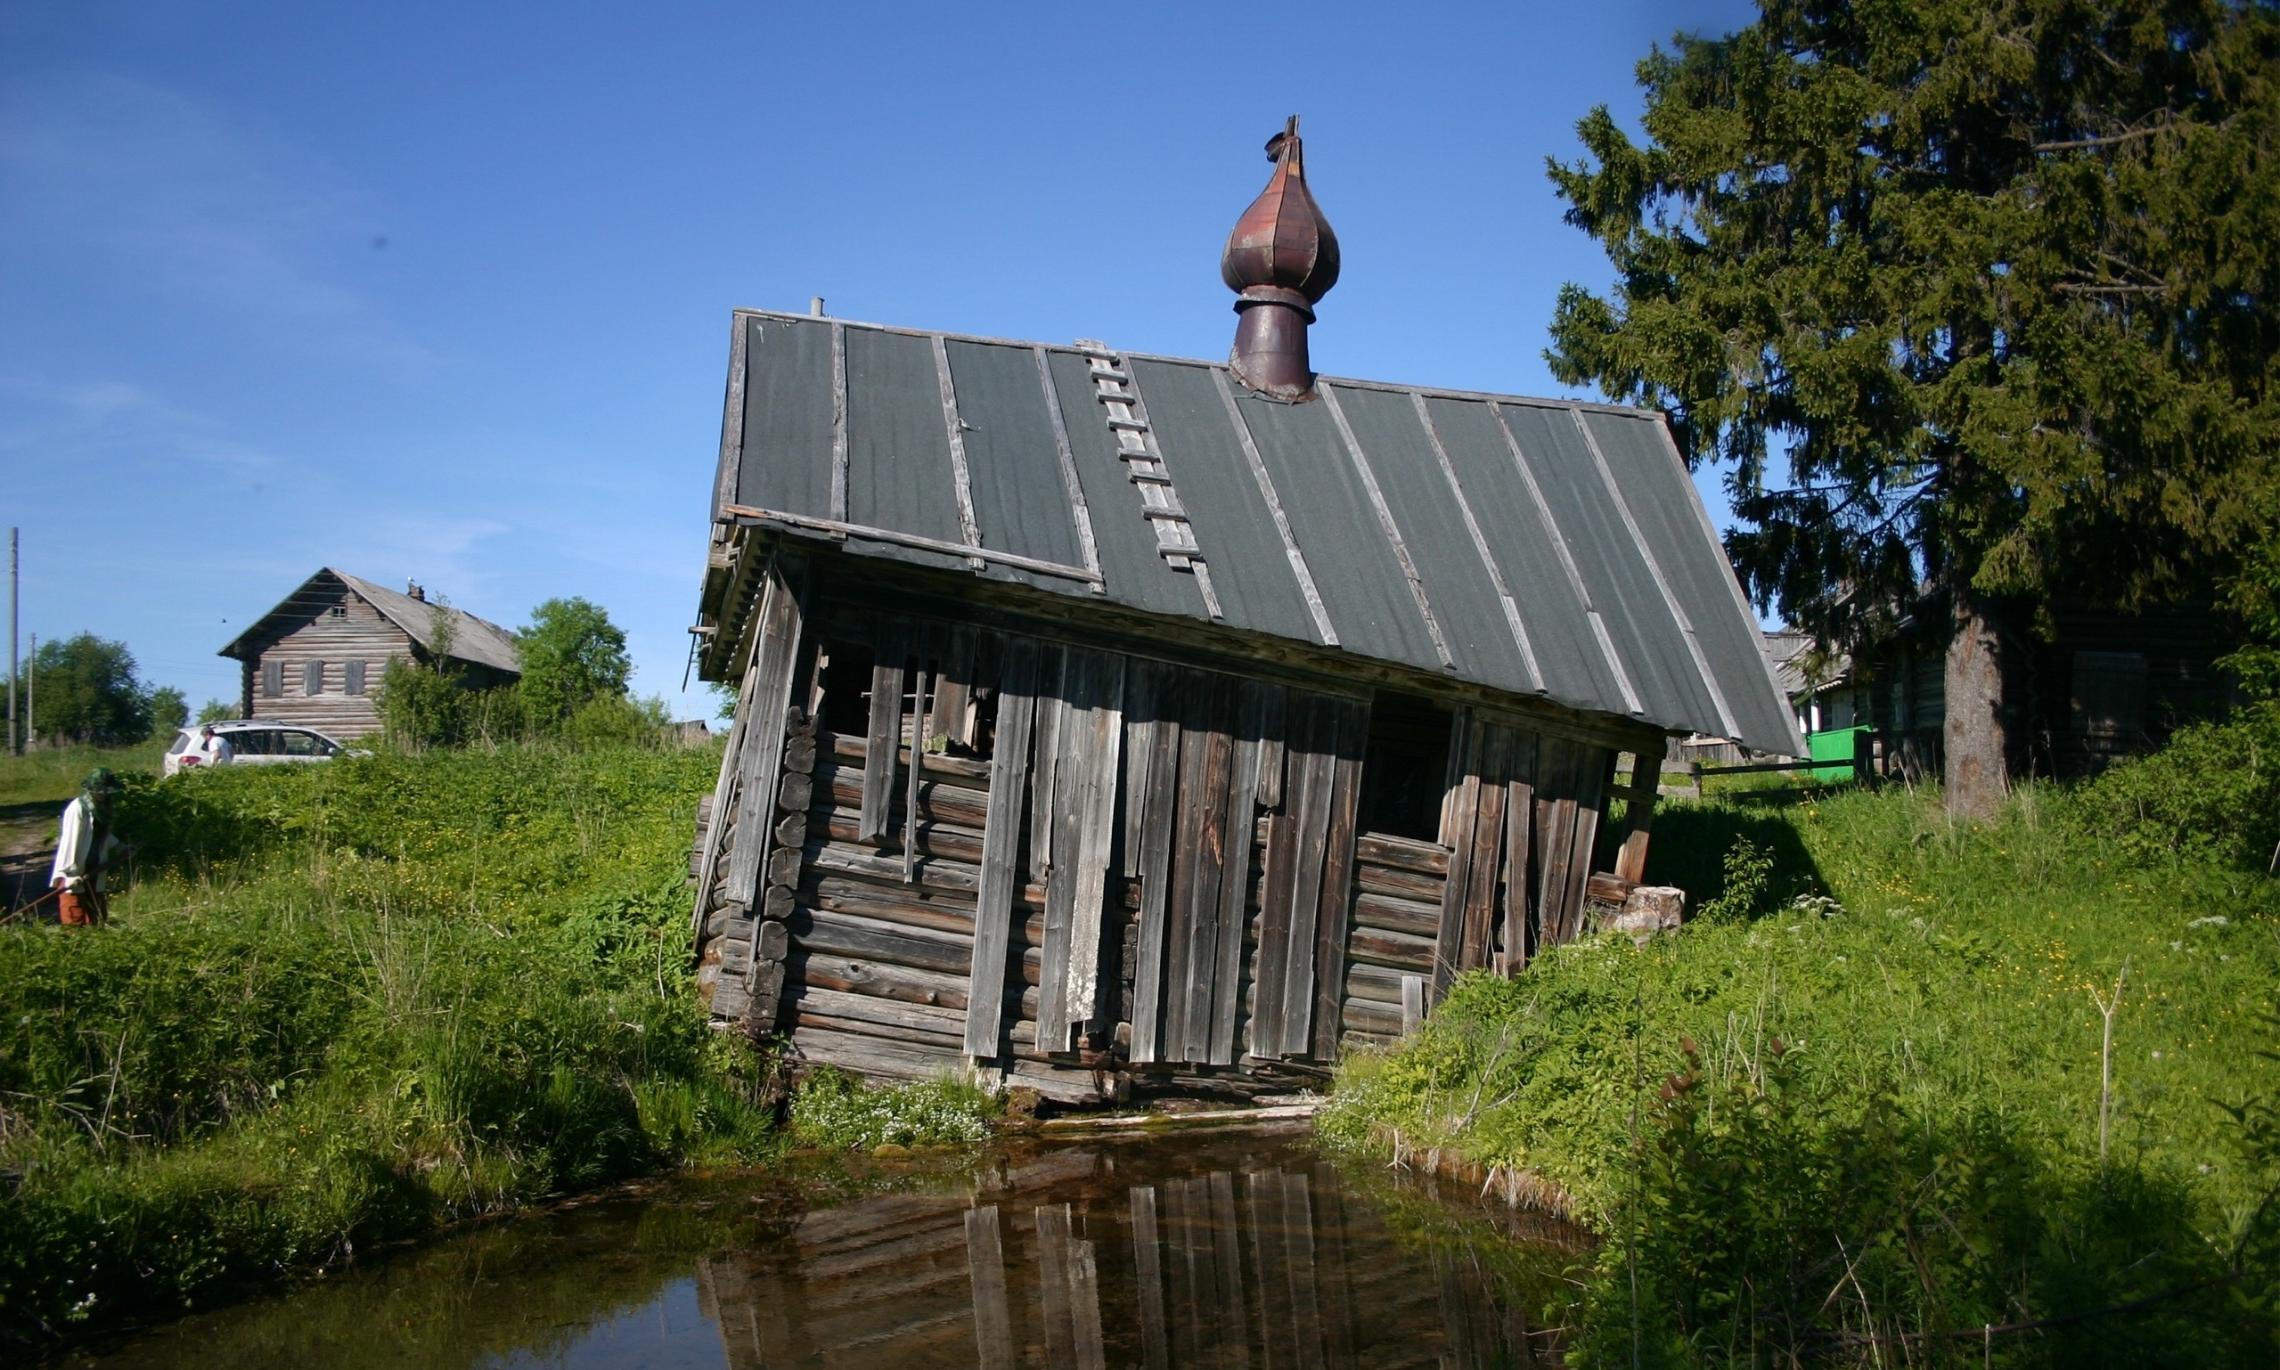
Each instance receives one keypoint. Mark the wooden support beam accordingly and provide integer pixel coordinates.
(1148, 975)
(1351, 741)
(1519, 915)
(1001, 839)
(1460, 815)
(885, 731)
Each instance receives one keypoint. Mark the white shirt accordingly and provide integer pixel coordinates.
(217, 750)
(74, 847)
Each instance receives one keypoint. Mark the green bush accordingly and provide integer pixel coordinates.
(2212, 794)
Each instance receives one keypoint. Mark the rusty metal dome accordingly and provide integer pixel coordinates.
(1281, 260)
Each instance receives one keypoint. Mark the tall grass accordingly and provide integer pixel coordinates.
(54, 774)
(343, 1003)
(1864, 1101)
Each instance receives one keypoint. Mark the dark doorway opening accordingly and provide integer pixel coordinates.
(1406, 770)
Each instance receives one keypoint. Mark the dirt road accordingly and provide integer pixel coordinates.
(27, 848)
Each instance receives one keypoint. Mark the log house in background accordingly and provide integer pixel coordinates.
(317, 658)
(1104, 715)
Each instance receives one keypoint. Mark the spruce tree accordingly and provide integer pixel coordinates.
(1996, 279)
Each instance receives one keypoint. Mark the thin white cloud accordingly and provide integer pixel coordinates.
(171, 194)
(115, 428)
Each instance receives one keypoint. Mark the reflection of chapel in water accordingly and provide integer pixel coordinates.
(1233, 1266)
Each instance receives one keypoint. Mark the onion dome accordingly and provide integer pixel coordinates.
(1280, 261)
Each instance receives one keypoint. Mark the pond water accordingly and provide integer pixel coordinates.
(1221, 1248)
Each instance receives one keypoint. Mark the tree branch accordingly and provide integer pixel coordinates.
(2167, 122)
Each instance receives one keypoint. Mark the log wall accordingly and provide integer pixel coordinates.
(934, 846)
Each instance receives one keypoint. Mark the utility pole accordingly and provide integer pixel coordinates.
(15, 736)
(31, 699)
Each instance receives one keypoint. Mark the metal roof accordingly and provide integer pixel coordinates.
(473, 639)
(1545, 547)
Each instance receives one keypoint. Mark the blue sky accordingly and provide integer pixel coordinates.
(442, 292)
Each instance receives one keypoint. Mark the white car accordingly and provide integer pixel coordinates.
(253, 742)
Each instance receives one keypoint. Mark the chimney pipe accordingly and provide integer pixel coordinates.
(1280, 261)
(412, 588)
(815, 306)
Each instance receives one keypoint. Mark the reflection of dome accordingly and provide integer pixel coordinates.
(1281, 259)
(1282, 239)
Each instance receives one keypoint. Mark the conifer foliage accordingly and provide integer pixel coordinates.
(1996, 278)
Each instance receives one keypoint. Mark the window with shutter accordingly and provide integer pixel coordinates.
(313, 678)
(354, 677)
(272, 679)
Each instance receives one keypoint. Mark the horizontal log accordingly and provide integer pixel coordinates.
(1607, 889)
(851, 747)
(864, 939)
(803, 1018)
(1366, 1015)
(938, 801)
(875, 1056)
(941, 913)
(868, 1008)
(1415, 917)
(1401, 884)
(1376, 946)
(1378, 984)
(1401, 853)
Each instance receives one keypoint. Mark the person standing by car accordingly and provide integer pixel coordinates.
(213, 748)
(83, 852)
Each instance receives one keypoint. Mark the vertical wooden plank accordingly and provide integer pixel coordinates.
(952, 714)
(1314, 769)
(1639, 817)
(916, 772)
(1274, 703)
(1267, 993)
(1209, 858)
(1148, 1277)
(1495, 759)
(1412, 1003)
(1336, 917)
(985, 1273)
(723, 788)
(1148, 977)
(763, 760)
(1001, 841)
(884, 736)
(1459, 818)
(1235, 881)
(1555, 835)
(1195, 736)
(1140, 679)
(1590, 801)
(1097, 759)
(1063, 772)
(1048, 747)
(1519, 926)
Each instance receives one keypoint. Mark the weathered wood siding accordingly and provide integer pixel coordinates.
(332, 636)
(938, 845)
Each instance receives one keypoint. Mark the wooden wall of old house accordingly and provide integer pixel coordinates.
(934, 843)
(343, 631)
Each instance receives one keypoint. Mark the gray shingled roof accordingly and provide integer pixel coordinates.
(473, 639)
(1543, 547)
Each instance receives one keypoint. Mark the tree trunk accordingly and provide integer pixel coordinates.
(1977, 772)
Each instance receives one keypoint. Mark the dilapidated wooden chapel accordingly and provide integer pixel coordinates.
(1105, 718)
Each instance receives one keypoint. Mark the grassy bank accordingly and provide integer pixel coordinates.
(345, 1003)
(1872, 1098)
(52, 775)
